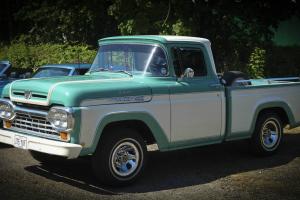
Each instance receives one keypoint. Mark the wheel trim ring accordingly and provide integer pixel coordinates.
(138, 158)
(275, 136)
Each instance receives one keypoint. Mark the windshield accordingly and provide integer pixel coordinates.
(50, 72)
(146, 60)
(2, 67)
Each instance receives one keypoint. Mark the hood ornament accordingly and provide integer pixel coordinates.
(27, 94)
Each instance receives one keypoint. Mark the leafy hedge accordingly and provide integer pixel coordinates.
(30, 57)
(256, 63)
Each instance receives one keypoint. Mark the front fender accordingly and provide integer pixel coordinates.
(148, 119)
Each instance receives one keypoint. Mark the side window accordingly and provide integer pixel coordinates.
(82, 71)
(75, 73)
(189, 58)
(8, 72)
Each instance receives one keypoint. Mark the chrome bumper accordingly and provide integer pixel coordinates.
(42, 145)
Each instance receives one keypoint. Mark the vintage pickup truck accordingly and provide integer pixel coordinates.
(144, 90)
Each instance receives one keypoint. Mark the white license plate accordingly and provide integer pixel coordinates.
(20, 142)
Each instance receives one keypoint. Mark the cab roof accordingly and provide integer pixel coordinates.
(159, 38)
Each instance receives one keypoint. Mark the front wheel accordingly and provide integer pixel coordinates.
(268, 133)
(120, 157)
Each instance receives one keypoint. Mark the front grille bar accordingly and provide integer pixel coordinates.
(37, 113)
(21, 121)
(33, 128)
(36, 125)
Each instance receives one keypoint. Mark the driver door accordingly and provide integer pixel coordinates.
(196, 102)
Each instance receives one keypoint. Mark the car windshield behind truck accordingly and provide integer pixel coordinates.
(51, 72)
(148, 60)
(3, 68)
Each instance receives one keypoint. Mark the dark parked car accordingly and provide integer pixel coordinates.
(7, 75)
(4, 66)
(61, 70)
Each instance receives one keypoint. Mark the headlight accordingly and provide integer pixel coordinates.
(6, 110)
(61, 118)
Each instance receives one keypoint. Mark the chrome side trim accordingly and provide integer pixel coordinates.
(270, 80)
(117, 100)
(284, 79)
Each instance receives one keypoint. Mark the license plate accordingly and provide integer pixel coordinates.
(20, 142)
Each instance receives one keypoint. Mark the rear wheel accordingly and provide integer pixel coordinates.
(268, 133)
(120, 157)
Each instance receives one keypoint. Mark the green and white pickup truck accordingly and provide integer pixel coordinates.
(144, 90)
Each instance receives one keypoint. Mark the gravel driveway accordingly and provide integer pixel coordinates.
(223, 171)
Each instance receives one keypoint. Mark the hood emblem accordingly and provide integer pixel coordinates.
(27, 94)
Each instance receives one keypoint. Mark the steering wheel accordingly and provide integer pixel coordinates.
(160, 69)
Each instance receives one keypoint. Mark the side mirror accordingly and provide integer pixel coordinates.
(188, 73)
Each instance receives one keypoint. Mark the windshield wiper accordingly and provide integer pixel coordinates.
(124, 72)
(100, 69)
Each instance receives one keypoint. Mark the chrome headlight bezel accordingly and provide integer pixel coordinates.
(61, 118)
(10, 108)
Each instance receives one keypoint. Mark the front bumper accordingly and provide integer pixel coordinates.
(43, 145)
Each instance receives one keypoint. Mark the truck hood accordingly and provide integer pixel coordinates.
(80, 90)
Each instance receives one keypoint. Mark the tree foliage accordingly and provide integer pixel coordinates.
(235, 28)
(32, 56)
(256, 63)
(60, 21)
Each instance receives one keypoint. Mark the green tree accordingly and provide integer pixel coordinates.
(234, 27)
(257, 63)
(60, 21)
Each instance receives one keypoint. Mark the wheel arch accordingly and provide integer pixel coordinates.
(143, 122)
(280, 108)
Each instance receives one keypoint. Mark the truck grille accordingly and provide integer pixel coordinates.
(35, 125)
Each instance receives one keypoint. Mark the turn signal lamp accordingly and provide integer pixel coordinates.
(63, 135)
(7, 124)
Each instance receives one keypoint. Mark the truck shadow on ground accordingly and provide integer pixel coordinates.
(170, 170)
(3, 146)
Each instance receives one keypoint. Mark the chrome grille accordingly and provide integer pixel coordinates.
(35, 125)
(36, 95)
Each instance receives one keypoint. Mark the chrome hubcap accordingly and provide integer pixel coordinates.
(125, 159)
(270, 134)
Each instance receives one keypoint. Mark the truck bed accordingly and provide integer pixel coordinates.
(246, 101)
